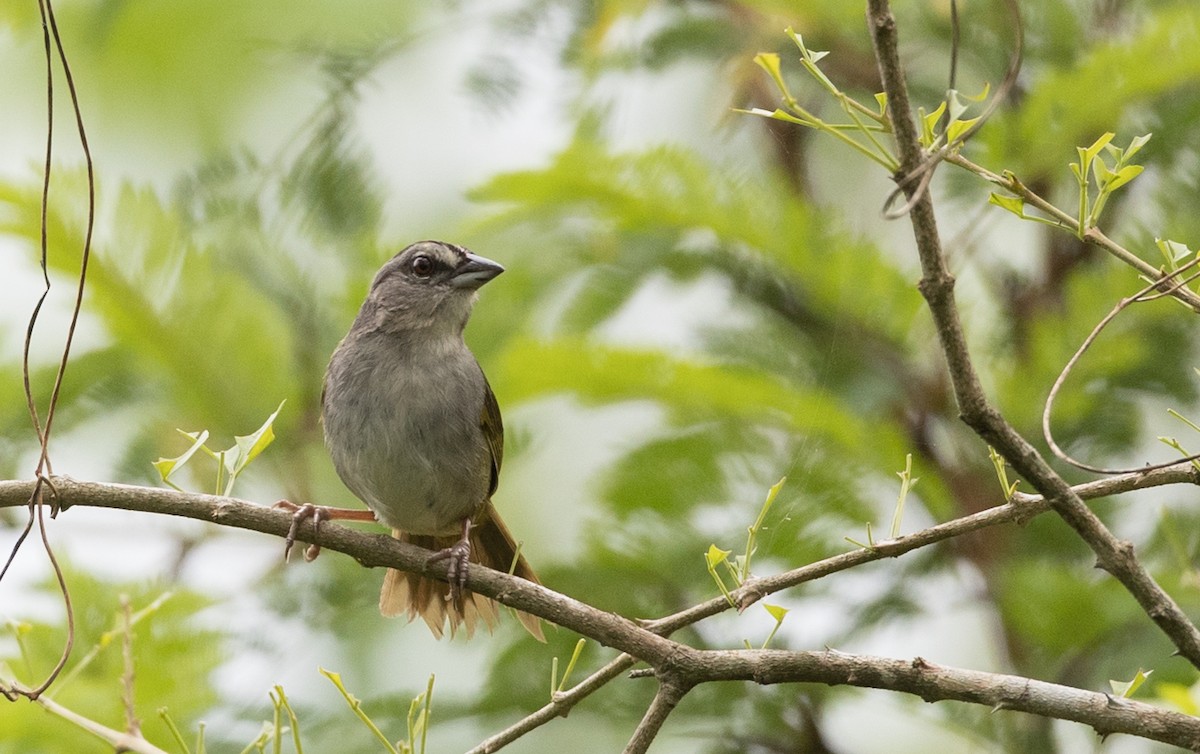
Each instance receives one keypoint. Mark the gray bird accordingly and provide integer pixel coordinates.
(415, 432)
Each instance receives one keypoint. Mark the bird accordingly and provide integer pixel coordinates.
(415, 432)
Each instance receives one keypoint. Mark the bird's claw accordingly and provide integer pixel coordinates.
(458, 554)
(300, 513)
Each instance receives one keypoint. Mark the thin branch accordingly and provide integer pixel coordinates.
(670, 692)
(382, 550)
(1020, 509)
(115, 738)
(922, 171)
(937, 286)
(48, 15)
(1141, 296)
(133, 726)
(36, 496)
(1093, 236)
(44, 235)
(371, 550)
(1105, 713)
(559, 706)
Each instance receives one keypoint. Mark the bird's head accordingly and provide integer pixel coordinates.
(430, 286)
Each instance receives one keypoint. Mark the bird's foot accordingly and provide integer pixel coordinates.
(317, 513)
(458, 554)
(299, 514)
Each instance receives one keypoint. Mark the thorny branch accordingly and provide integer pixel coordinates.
(671, 690)
(647, 642)
(937, 286)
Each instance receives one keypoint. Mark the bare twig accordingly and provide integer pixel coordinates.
(1019, 509)
(937, 286)
(559, 706)
(670, 692)
(1141, 296)
(44, 432)
(372, 550)
(116, 739)
(37, 495)
(133, 726)
(1104, 713)
(36, 498)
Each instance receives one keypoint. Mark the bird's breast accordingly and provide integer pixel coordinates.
(403, 430)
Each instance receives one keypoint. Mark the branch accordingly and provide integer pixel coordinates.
(383, 550)
(937, 286)
(559, 706)
(371, 550)
(1104, 713)
(1093, 235)
(670, 692)
(1020, 509)
(120, 741)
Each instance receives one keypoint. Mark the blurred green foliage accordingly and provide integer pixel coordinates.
(173, 657)
(222, 297)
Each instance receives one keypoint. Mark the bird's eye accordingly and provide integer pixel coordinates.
(422, 266)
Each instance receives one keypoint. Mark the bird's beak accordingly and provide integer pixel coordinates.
(474, 272)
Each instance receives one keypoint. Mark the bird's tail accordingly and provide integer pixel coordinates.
(491, 545)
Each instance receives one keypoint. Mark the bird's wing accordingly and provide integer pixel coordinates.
(493, 431)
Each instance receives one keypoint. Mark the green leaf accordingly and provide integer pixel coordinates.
(811, 56)
(955, 105)
(783, 115)
(1136, 145)
(929, 122)
(1173, 251)
(1062, 104)
(1013, 204)
(690, 390)
(418, 719)
(958, 128)
(355, 705)
(167, 466)
(1123, 176)
(743, 565)
(777, 612)
(1090, 153)
(715, 556)
(1101, 171)
(769, 62)
(766, 506)
(249, 446)
(575, 654)
(907, 482)
(1126, 690)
